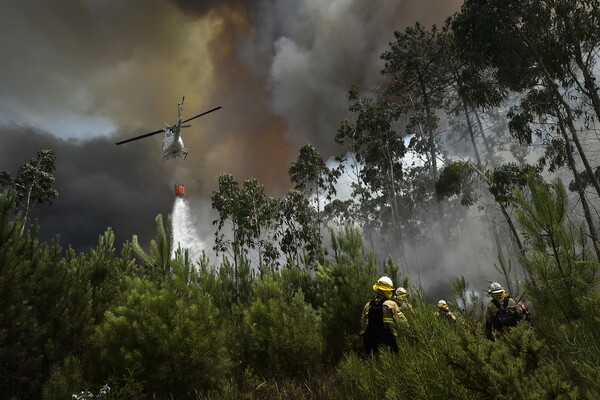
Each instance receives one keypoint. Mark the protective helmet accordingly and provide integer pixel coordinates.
(443, 305)
(400, 291)
(495, 287)
(386, 279)
(384, 287)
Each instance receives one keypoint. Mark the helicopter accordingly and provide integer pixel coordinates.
(172, 144)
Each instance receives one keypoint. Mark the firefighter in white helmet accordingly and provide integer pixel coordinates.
(502, 312)
(382, 319)
(401, 297)
(444, 311)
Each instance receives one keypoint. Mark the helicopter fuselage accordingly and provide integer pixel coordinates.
(172, 145)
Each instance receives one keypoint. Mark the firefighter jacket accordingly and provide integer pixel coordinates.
(403, 304)
(447, 315)
(394, 320)
(491, 310)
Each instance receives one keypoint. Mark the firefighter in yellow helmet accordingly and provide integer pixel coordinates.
(502, 312)
(382, 319)
(401, 297)
(444, 311)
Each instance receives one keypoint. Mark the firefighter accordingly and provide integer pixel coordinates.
(502, 312)
(401, 298)
(382, 320)
(444, 311)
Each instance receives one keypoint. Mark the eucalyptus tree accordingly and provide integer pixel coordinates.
(251, 217)
(463, 179)
(419, 81)
(33, 182)
(257, 218)
(540, 114)
(378, 149)
(298, 232)
(311, 176)
(225, 202)
(470, 92)
(537, 45)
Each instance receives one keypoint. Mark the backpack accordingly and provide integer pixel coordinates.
(375, 318)
(504, 317)
(376, 333)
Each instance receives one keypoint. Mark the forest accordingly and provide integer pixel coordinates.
(488, 120)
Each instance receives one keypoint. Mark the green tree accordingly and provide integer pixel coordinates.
(225, 202)
(534, 46)
(311, 176)
(159, 260)
(564, 284)
(168, 333)
(420, 78)
(281, 331)
(33, 182)
(298, 231)
(257, 216)
(347, 281)
(378, 149)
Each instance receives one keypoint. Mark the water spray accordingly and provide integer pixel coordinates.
(185, 234)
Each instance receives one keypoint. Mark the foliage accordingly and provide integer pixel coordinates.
(33, 181)
(456, 180)
(168, 333)
(310, 174)
(158, 262)
(563, 275)
(281, 331)
(345, 286)
(277, 316)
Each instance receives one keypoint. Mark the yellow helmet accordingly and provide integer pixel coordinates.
(384, 286)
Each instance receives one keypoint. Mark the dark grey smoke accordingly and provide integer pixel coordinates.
(100, 185)
(279, 68)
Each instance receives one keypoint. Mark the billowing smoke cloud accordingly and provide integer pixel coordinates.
(91, 73)
(98, 187)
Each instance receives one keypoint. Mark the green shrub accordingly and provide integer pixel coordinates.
(168, 334)
(281, 333)
(345, 285)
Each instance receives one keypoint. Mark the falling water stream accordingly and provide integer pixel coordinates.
(185, 234)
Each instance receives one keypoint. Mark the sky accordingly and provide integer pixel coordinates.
(78, 75)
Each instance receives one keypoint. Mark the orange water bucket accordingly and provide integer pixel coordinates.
(179, 190)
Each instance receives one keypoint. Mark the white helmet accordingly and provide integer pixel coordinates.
(442, 302)
(386, 279)
(495, 287)
(401, 291)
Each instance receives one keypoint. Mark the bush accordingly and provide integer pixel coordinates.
(168, 334)
(281, 332)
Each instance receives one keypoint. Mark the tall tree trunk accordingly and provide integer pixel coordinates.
(579, 185)
(588, 77)
(582, 155)
(570, 119)
(488, 148)
(471, 133)
(433, 154)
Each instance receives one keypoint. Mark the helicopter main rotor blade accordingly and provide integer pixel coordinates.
(199, 115)
(140, 137)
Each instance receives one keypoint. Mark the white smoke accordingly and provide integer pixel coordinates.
(185, 234)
